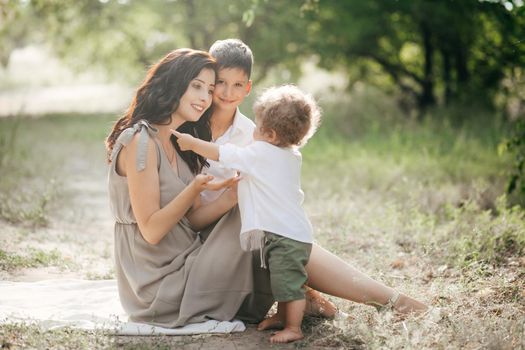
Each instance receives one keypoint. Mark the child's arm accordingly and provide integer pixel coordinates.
(239, 158)
(206, 149)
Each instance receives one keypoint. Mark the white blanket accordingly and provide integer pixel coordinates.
(86, 305)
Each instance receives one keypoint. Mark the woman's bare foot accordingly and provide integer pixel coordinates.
(402, 304)
(408, 305)
(287, 335)
(317, 305)
(272, 322)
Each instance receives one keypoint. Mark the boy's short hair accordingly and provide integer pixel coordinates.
(291, 113)
(232, 53)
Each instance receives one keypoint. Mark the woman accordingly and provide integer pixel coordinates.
(167, 276)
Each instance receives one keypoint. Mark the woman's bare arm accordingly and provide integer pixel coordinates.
(155, 222)
(208, 213)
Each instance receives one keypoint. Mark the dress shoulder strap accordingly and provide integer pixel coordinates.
(145, 131)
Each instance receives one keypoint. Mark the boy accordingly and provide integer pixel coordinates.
(270, 195)
(233, 84)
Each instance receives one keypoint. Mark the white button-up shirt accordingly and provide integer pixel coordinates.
(270, 195)
(240, 133)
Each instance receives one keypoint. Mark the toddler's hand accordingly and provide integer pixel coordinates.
(185, 141)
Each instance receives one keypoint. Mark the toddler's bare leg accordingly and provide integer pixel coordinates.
(275, 321)
(294, 318)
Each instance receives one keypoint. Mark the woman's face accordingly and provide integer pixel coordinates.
(198, 96)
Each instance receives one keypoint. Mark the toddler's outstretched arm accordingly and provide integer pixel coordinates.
(206, 149)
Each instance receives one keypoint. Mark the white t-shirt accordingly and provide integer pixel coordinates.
(240, 133)
(270, 195)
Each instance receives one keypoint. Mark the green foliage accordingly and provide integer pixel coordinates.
(31, 166)
(18, 204)
(33, 258)
(427, 52)
(7, 145)
(27, 208)
(474, 236)
(425, 47)
(516, 146)
(432, 186)
(16, 21)
(125, 37)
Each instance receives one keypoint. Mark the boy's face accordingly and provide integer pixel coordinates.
(231, 87)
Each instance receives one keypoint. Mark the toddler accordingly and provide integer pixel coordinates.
(270, 196)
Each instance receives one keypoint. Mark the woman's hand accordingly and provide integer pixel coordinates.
(200, 182)
(219, 185)
(203, 215)
(231, 193)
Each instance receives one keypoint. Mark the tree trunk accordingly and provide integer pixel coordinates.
(446, 76)
(461, 65)
(427, 99)
(190, 8)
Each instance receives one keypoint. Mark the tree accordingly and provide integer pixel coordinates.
(125, 36)
(462, 48)
(426, 51)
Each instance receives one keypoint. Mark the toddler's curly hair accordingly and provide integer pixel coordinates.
(291, 113)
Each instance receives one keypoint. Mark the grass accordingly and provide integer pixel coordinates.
(419, 206)
(32, 154)
(30, 336)
(32, 258)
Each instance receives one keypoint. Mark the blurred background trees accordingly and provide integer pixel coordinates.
(426, 52)
(467, 56)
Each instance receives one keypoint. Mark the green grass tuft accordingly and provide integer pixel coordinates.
(33, 258)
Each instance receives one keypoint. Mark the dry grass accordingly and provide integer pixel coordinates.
(419, 209)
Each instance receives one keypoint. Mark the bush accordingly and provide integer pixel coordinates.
(516, 146)
(474, 236)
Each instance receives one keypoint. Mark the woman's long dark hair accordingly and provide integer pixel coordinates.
(159, 96)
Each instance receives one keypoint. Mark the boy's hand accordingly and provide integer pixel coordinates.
(185, 141)
(200, 182)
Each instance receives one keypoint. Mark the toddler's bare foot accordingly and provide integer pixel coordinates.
(317, 305)
(287, 335)
(273, 322)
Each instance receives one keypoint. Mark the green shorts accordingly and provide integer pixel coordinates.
(286, 259)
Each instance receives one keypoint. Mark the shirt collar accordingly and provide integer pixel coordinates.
(239, 125)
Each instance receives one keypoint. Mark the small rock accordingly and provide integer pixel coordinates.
(397, 264)
(442, 268)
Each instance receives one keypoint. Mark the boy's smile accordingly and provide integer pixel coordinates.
(231, 87)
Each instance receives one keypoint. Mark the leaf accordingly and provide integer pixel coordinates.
(503, 147)
(248, 17)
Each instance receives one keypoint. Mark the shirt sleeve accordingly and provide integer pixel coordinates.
(242, 159)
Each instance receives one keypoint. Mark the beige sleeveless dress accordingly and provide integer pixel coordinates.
(182, 279)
